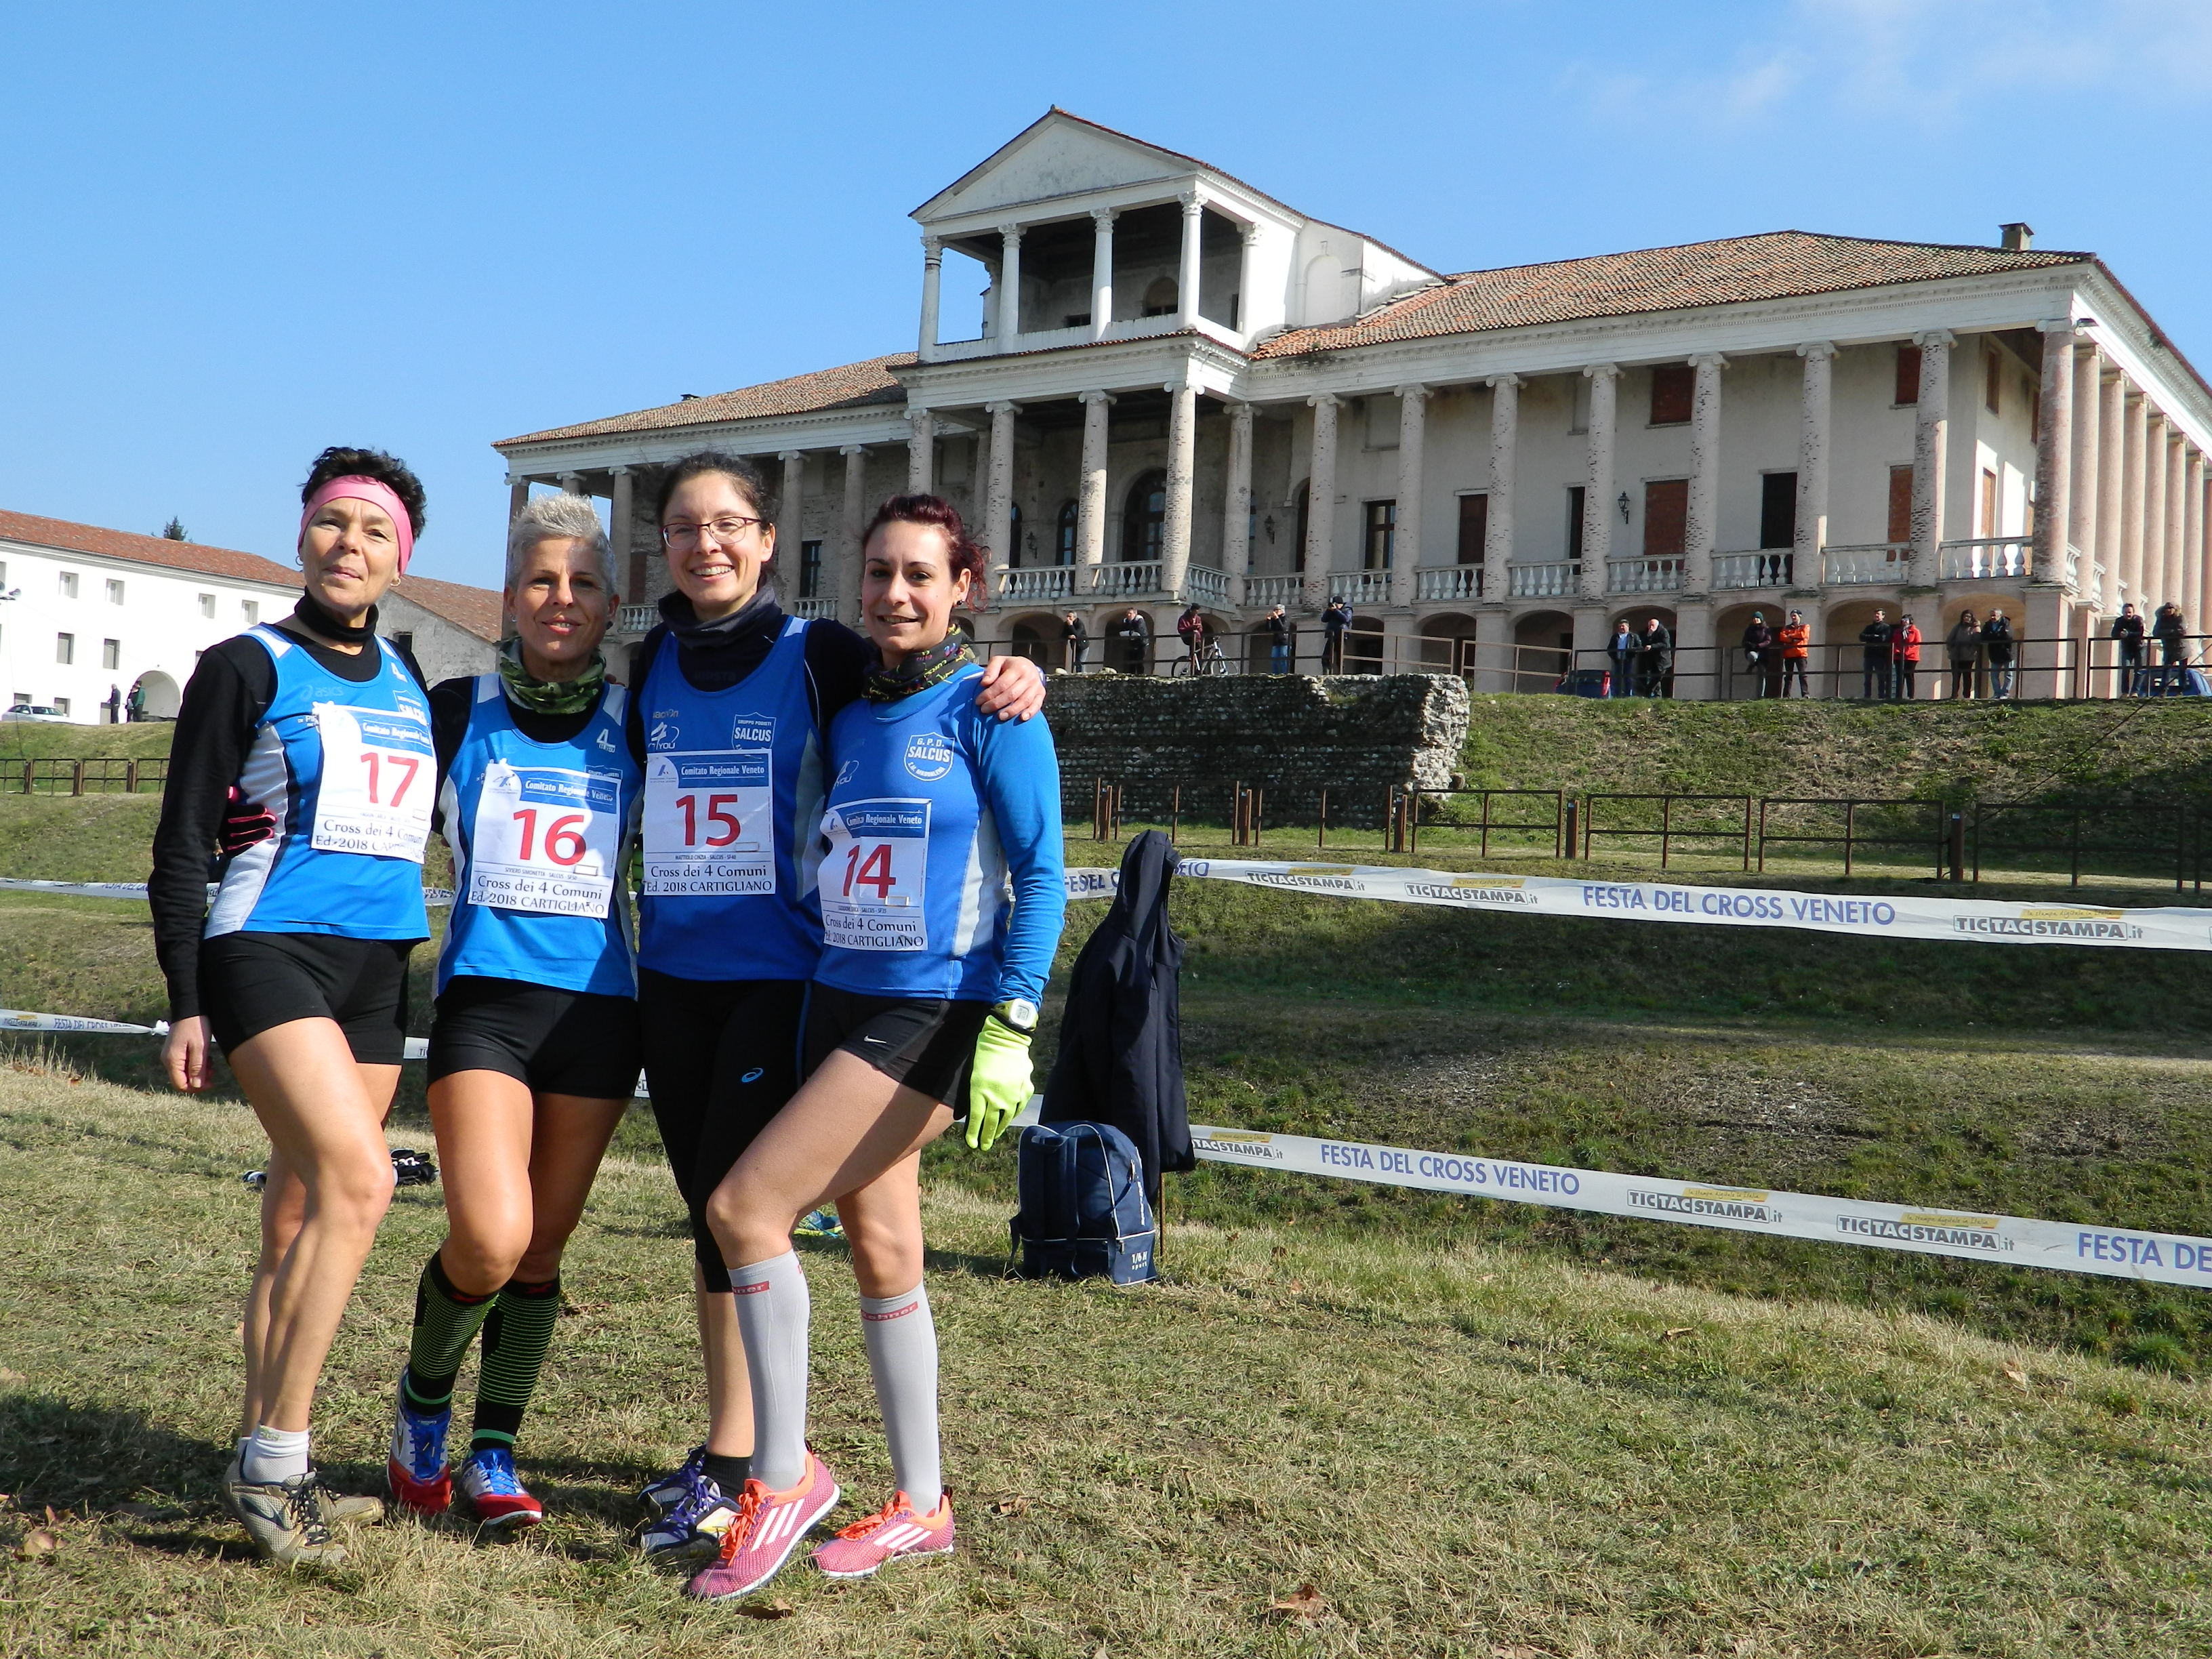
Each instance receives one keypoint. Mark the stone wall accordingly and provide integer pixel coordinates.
(1292, 734)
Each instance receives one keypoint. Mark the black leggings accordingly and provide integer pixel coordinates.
(721, 1057)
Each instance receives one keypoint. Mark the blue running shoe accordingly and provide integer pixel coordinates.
(421, 1480)
(488, 1487)
(819, 1224)
(665, 1491)
(692, 1528)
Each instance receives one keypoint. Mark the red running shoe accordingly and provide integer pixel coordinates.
(768, 1527)
(893, 1530)
(420, 1480)
(486, 1487)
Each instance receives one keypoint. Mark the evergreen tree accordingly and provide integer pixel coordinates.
(174, 531)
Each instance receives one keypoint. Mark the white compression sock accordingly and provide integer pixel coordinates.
(274, 1455)
(773, 1310)
(901, 1340)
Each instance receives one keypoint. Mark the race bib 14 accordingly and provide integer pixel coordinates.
(875, 877)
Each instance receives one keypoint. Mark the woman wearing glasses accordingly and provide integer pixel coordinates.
(732, 699)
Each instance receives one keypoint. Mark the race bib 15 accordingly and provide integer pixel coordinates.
(709, 831)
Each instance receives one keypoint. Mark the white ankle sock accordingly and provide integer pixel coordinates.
(773, 1310)
(273, 1455)
(901, 1340)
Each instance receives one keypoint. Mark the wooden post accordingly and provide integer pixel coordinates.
(76, 777)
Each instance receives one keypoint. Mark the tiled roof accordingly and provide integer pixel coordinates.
(844, 387)
(477, 609)
(1778, 265)
(201, 560)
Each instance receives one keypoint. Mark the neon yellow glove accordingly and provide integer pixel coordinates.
(998, 1082)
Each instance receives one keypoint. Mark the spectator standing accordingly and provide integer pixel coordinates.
(1335, 624)
(1904, 656)
(1757, 646)
(1075, 640)
(1875, 665)
(1622, 650)
(2172, 634)
(114, 705)
(1793, 642)
(2128, 652)
(1134, 631)
(1963, 646)
(1277, 627)
(1656, 665)
(1996, 649)
(135, 705)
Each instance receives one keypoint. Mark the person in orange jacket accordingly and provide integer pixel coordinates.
(1905, 650)
(1795, 641)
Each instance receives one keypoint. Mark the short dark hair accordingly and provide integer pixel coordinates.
(337, 462)
(962, 551)
(750, 481)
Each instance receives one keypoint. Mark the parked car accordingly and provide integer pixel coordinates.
(34, 711)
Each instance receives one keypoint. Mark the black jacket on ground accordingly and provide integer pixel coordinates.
(1120, 1038)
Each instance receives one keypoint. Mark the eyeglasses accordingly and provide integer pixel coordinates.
(723, 533)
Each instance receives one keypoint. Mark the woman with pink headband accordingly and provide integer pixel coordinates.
(298, 967)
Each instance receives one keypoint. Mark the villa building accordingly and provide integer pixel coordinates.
(1185, 391)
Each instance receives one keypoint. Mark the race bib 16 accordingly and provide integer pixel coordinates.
(545, 840)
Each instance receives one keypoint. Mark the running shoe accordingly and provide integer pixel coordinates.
(284, 1520)
(422, 1480)
(893, 1530)
(819, 1224)
(768, 1527)
(692, 1527)
(488, 1490)
(665, 1491)
(337, 1509)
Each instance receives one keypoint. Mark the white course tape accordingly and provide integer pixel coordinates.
(17, 1019)
(2176, 928)
(437, 899)
(2014, 1241)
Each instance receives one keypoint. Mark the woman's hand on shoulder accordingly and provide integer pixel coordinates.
(1012, 688)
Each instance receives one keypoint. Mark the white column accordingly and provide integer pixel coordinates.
(1090, 498)
(1701, 531)
(1406, 554)
(2192, 543)
(933, 278)
(1194, 209)
(1815, 418)
(1182, 449)
(788, 499)
(629, 573)
(920, 453)
(842, 574)
(1931, 444)
(2112, 427)
(2177, 514)
(1236, 510)
(2140, 574)
(2081, 518)
(1010, 285)
(572, 483)
(2054, 453)
(518, 497)
(2154, 507)
(1249, 240)
(1497, 533)
(998, 491)
(1321, 503)
(1101, 271)
(1597, 479)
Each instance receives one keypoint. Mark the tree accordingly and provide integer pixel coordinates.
(174, 531)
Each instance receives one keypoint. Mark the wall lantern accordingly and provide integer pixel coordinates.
(1623, 506)
(1269, 524)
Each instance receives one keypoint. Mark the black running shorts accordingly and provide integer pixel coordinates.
(924, 1043)
(251, 982)
(554, 1042)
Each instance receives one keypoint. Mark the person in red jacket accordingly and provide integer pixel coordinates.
(1905, 648)
(1793, 639)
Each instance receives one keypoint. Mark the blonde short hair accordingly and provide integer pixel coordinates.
(559, 518)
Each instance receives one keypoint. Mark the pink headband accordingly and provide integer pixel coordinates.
(378, 493)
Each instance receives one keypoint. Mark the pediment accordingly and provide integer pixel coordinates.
(1060, 154)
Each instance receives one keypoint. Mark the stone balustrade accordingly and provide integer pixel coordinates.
(1852, 566)
(1644, 575)
(1559, 581)
(1459, 582)
(1361, 587)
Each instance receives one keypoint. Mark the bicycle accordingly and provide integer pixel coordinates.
(1211, 663)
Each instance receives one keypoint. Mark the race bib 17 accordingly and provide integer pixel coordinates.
(545, 840)
(709, 830)
(379, 777)
(874, 878)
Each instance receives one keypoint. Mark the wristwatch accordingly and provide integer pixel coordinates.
(1018, 1015)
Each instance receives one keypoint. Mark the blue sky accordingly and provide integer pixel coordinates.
(236, 233)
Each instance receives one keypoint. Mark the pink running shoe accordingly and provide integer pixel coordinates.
(768, 1527)
(893, 1530)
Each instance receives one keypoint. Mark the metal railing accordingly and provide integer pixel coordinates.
(1854, 833)
(1704, 825)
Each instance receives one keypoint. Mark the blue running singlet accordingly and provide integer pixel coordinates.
(349, 773)
(733, 783)
(941, 862)
(538, 832)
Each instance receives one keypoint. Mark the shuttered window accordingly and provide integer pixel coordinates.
(1666, 517)
(1777, 510)
(1473, 527)
(1908, 375)
(1672, 386)
(1574, 522)
(1901, 503)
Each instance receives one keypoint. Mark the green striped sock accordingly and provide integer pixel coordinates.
(445, 1321)
(516, 1337)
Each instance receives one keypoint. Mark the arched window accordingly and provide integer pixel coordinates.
(1143, 514)
(1160, 297)
(1063, 541)
(1014, 534)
